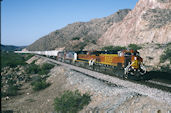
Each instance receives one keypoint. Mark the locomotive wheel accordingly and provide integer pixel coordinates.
(96, 67)
(119, 72)
(125, 76)
(135, 76)
(77, 64)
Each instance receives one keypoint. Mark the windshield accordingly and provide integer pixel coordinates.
(136, 54)
(127, 54)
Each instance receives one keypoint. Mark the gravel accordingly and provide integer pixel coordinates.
(110, 95)
(156, 94)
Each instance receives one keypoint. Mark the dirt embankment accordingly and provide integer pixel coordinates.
(104, 97)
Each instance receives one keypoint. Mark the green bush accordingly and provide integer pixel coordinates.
(33, 62)
(134, 47)
(10, 85)
(11, 59)
(28, 56)
(93, 42)
(33, 69)
(12, 90)
(114, 48)
(71, 102)
(166, 55)
(41, 70)
(76, 38)
(47, 66)
(166, 68)
(45, 69)
(39, 85)
(11, 82)
(169, 44)
(80, 46)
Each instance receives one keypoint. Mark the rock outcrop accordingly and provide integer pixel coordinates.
(148, 22)
(77, 35)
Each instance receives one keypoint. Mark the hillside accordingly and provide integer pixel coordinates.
(77, 35)
(19, 94)
(11, 48)
(148, 22)
(147, 25)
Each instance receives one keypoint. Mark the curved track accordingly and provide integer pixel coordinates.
(156, 91)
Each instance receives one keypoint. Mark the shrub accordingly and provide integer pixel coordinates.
(71, 102)
(41, 70)
(114, 48)
(47, 66)
(33, 62)
(12, 90)
(11, 82)
(39, 83)
(76, 38)
(166, 69)
(93, 42)
(28, 56)
(134, 47)
(166, 55)
(45, 69)
(80, 46)
(32, 69)
(11, 59)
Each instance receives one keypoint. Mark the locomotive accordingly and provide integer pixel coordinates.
(124, 63)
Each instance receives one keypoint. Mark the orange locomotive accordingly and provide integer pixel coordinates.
(127, 61)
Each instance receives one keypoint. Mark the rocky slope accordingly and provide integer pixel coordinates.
(148, 22)
(105, 97)
(77, 35)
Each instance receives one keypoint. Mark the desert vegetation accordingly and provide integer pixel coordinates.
(118, 48)
(16, 72)
(11, 59)
(114, 48)
(71, 102)
(38, 83)
(76, 38)
(134, 46)
(41, 70)
(11, 88)
(166, 55)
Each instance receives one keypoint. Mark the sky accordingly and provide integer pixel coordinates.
(25, 21)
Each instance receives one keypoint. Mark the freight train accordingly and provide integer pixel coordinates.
(124, 63)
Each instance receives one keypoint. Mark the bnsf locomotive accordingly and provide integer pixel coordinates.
(124, 63)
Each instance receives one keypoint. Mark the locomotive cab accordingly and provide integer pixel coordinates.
(133, 63)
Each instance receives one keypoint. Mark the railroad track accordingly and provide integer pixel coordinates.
(157, 90)
(150, 83)
(159, 83)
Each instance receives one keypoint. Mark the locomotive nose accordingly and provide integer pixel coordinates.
(135, 63)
